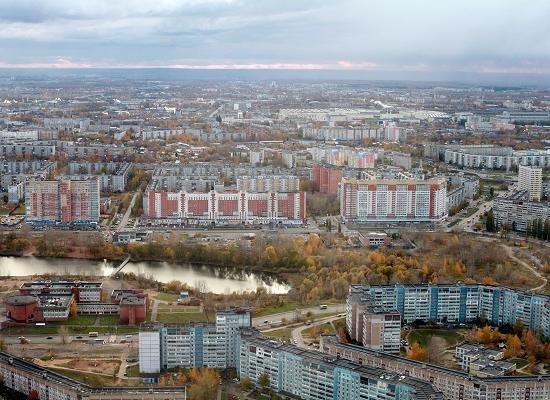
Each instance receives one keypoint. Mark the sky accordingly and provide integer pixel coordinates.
(479, 36)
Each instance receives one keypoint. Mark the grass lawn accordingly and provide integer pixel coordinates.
(422, 336)
(456, 221)
(471, 211)
(520, 362)
(314, 331)
(166, 297)
(290, 306)
(109, 320)
(132, 371)
(182, 317)
(20, 210)
(283, 333)
(90, 379)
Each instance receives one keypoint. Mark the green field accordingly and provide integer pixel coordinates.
(456, 221)
(87, 378)
(132, 371)
(183, 317)
(471, 211)
(109, 320)
(167, 297)
(422, 336)
(283, 333)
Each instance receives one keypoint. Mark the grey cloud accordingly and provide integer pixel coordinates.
(392, 33)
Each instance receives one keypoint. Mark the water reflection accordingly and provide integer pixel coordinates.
(215, 279)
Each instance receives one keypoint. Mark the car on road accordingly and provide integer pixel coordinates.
(266, 322)
(49, 337)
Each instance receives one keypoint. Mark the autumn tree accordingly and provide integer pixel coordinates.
(263, 380)
(205, 384)
(245, 384)
(416, 352)
(513, 346)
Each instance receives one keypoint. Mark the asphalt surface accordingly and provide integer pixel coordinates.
(275, 319)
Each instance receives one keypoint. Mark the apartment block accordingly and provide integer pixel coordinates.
(452, 383)
(310, 375)
(454, 304)
(224, 207)
(326, 179)
(393, 200)
(530, 180)
(62, 201)
(516, 212)
(273, 183)
(193, 345)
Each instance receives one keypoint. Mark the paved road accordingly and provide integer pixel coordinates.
(289, 315)
(123, 362)
(126, 216)
(296, 334)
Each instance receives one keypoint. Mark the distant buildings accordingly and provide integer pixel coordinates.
(272, 183)
(393, 200)
(530, 179)
(515, 212)
(326, 179)
(489, 156)
(62, 201)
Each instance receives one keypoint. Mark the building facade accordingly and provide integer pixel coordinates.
(225, 207)
(168, 346)
(310, 375)
(453, 384)
(326, 179)
(62, 201)
(530, 180)
(516, 212)
(453, 303)
(393, 200)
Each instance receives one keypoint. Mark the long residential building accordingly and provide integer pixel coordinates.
(452, 303)
(62, 201)
(452, 383)
(224, 207)
(493, 157)
(516, 212)
(214, 345)
(310, 375)
(25, 377)
(404, 200)
(268, 183)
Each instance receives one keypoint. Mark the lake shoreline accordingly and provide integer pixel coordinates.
(217, 277)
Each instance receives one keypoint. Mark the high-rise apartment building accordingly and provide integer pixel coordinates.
(456, 303)
(325, 178)
(396, 200)
(62, 201)
(274, 183)
(530, 179)
(165, 346)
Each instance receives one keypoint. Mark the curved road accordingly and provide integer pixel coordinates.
(289, 315)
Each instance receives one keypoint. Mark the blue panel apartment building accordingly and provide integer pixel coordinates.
(310, 375)
(453, 303)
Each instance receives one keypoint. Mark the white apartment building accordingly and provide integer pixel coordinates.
(405, 200)
(530, 179)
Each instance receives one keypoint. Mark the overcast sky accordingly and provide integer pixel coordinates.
(410, 35)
